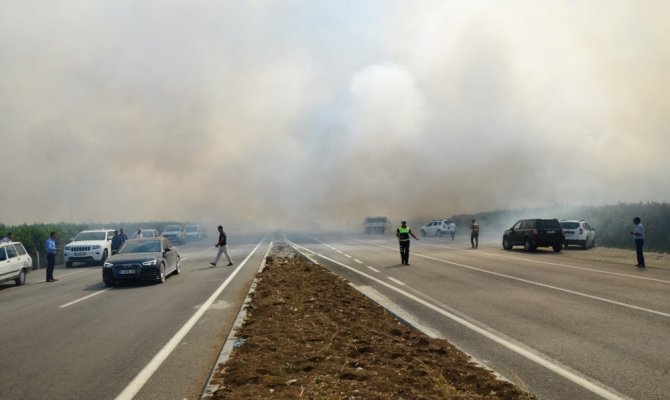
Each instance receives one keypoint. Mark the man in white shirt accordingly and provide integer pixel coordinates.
(638, 233)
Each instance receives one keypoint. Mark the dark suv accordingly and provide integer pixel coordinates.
(534, 233)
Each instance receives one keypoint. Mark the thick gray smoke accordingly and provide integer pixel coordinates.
(304, 114)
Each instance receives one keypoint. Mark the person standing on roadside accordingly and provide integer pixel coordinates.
(123, 235)
(117, 242)
(638, 234)
(8, 239)
(474, 234)
(51, 256)
(222, 244)
(452, 230)
(138, 234)
(403, 233)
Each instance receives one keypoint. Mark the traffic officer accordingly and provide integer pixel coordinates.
(403, 232)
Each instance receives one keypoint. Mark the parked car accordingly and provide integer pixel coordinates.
(376, 224)
(194, 232)
(91, 247)
(147, 233)
(15, 262)
(437, 227)
(578, 232)
(534, 233)
(142, 259)
(175, 233)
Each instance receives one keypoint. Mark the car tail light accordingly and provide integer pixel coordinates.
(581, 231)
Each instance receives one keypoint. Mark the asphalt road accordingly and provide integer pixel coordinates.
(563, 327)
(76, 339)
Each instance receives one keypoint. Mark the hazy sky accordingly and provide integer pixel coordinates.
(309, 113)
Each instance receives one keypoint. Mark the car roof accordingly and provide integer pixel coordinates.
(98, 230)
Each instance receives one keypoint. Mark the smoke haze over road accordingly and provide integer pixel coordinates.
(317, 113)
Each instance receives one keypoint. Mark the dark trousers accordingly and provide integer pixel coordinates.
(474, 240)
(51, 264)
(404, 252)
(638, 250)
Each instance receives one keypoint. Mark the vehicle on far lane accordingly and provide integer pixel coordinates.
(175, 233)
(436, 227)
(142, 259)
(194, 232)
(148, 233)
(578, 232)
(534, 233)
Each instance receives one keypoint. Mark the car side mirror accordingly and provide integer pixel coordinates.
(167, 249)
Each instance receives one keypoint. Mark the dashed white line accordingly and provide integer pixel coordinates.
(394, 280)
(347, 255)
(373, 269)
(84, 298)
(358, 261)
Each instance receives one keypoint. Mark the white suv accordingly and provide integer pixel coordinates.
(578, 232)
(15, 262)
(92, 246)
(436, 227)
(194, 233)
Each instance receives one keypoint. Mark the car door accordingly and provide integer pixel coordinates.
(516, 235)
(169, 255)
(5, 267)
(24, 258)
(12, 264)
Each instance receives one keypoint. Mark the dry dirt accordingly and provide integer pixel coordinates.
(309, 335)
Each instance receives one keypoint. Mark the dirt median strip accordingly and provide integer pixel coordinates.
(308, 334)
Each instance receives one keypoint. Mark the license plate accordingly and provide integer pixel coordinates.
(127, 272)
(79, 254)
(551, 231)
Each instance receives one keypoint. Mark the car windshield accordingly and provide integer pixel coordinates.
(191, 229)
(141, 246)
(148, 234)
(90, 236)
(171, 228)
(570, 225)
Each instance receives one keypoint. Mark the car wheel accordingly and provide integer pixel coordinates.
(507, 245)
(104, 257)
(161, 274)
(593, 242)
(177, 271)
(438, 233)
(68, 265)
(21, 279)
(557, 247)
(109, 282)
(585, 245)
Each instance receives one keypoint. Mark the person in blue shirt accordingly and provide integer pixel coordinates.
(51, 256)
(117, 241)
(638, 233)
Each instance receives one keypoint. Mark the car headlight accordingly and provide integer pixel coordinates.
(107, 265)
(95, 246)
(149, 263)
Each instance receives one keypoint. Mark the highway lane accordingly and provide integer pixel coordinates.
(75, 339)
(566, 328)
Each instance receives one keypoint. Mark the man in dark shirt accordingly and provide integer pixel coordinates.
(403, 232)
(117, 241)
(222, 244)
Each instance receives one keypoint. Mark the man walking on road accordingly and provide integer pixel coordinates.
(474, 234)
(403, 232)
(638, 233)
(51, 256)
(222, 244)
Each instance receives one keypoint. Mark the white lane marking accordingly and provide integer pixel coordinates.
(340, 251)
(544, 285)
(347, 255)
(143, 376)
(358, 261)
(395, 281)
(525, 351)
(84, 298)
(373, 269)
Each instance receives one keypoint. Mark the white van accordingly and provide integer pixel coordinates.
(15, 262)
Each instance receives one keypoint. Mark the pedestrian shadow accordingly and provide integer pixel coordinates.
(395, 266)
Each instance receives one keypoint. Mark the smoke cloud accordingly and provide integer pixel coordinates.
(313, 114)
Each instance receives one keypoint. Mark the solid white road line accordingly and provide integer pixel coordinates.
(527, 352)
(84, 298)
(145, 374)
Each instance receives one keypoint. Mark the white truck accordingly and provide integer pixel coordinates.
(375, 225)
